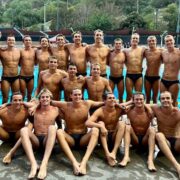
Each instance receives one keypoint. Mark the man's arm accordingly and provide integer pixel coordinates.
(95, 103)
(107, 86)
(59, 104)
(40, 84)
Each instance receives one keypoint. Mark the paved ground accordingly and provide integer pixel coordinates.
(59, 167)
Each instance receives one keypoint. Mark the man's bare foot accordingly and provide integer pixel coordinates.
(76, 168)
(42, 172)
(111, 160)
(82, 169)
(151, 166)
(7, 159)
(33, 171)
(124, 162)
(178, 171)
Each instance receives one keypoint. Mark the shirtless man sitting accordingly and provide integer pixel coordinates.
(44, 134)
(171, 60)
(116, 62)
(51, 78)
(98, 52)
(106, 118)
(27, 62)
(75, 133)
(139, 132)
(134, 59)
(153, 57)
(10, 57)
(13, 117)
(72, 81)
(168, 135)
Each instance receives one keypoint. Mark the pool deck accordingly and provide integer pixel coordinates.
(59, 168)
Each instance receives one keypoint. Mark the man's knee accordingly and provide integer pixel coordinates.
(121, 125)
(128, 129)
(95, 132)
(160, 137)
(51, 128)
(24, 131)
(152, 131)
(60, 133)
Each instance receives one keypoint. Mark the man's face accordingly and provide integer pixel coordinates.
(152, 42)
(44, 42)
(95, 70)
(135, 39)
(138, 100)
(76, 95)
(118, 45)
(60, 41)
(72, 70)
(17, 101)
(77, 38)
(27, 42)
(110, 100)
(11, 41)
(98, 37)
(45, 99)
(169, 42)
(53, 64)
(166, 99)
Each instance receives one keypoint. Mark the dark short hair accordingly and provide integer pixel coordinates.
(43, 37)
(138, 93)
(163, 92)
(76, 32)
(25, 37)
(105, 95)
(72, 64)
(118, 39)
(60, 35)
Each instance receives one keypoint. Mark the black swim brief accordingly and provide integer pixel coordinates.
(167, 83)
(133, 77)
(41, 140)
(10, 79)
(172, 141)
(116, 80)
(77, 138)
(152, 79)
(82, 74)
(104, 75)
(26, 78)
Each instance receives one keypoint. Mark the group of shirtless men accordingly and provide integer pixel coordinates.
(64, 67)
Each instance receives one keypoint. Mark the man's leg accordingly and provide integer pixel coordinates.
(49, 144)
(147, 86)
(163, 145)
(91, 140)
(139, 84)
(149, 139)
(4, 135)
(65, 141)
(174, 90)
(155, 90)
(30, 87)
(120, 129)
(129, 88)
(29, 139)
(22, 87)
(5, 87)
(120, 87)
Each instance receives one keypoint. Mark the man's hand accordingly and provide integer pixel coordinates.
(103, 129)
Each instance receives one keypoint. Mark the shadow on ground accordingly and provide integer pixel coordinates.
(59, 167)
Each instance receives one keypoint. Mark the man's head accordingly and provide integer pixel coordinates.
(76, 95)
(118, 44)
(169, 41)
(152, 41)
(53, 62)
(45, 97)
(77, 37)
(95, 70)
(138, 99)
(134, 39)
(98, 36)
(60, 40)
(11, 40)
(166, 99)
(72, 69)
(44, 41)
(17, 100)
(109, 99)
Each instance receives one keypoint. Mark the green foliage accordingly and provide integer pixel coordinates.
(133, 20)
(161, 3)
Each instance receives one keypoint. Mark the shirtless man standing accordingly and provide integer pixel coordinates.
(106, 118)
(77, 53)
(51, 78)
(61, 53)
(116, 63)
(139, 132)
(98, 52)
(168, 135)
(96, 85)
(44, 134)
(153, 60)
(134, 59)
(13, 117)
(75, 133)
(10, 59)
(71, 82)
(27, 62)
(171, 60)
(43, 54)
